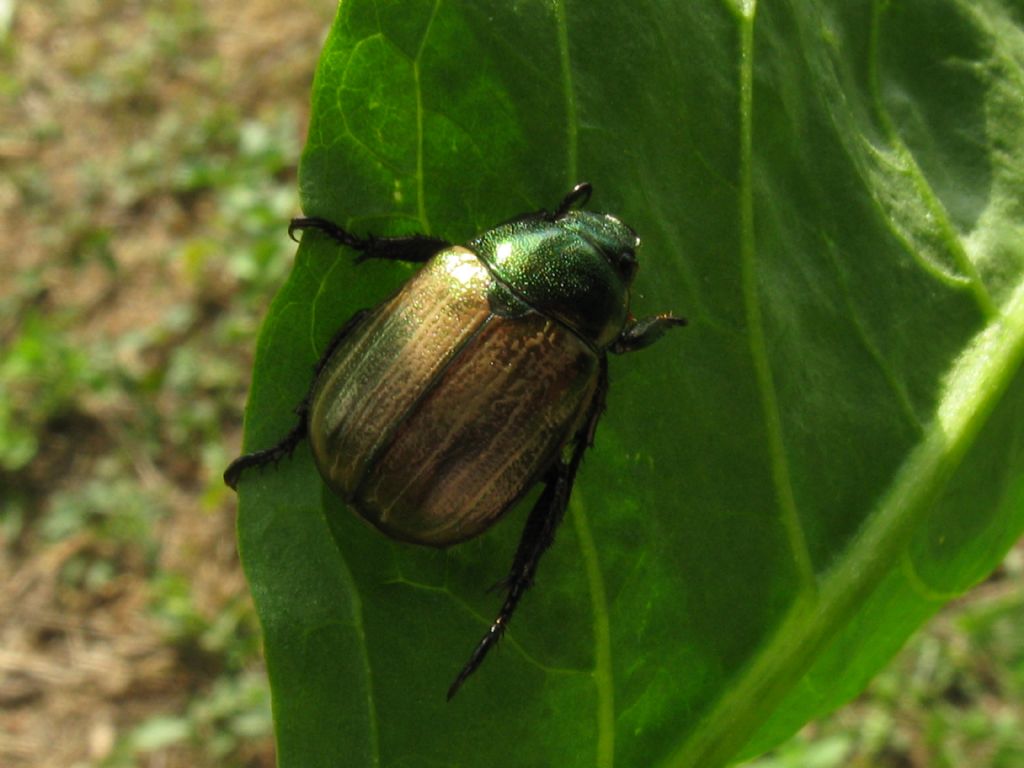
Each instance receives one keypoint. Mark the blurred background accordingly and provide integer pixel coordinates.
(148, 157)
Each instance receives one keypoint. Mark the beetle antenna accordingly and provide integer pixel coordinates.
(577, 198)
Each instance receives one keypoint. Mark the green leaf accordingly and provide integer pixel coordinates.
(779, 494)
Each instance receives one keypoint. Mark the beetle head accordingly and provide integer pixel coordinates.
(616, 241)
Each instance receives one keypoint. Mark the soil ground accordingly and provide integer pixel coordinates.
(129, 135)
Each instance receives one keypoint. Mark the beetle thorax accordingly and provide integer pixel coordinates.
(570, 269)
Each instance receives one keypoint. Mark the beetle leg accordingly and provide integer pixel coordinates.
(539, 533)
(579, 195)
(415, 248)
(233, 473)
(288, 444)
(643, 333)
(537, 537)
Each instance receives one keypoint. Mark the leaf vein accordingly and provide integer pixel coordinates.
(509, 636)
(602, 633)
(603, 678)
(928, 197)
(568, 90)
(360, 629)
(892, 379)
(421, 205)
(788, 512)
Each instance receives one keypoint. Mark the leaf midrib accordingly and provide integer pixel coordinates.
(603, 679)
(976, 385)
(784, 497)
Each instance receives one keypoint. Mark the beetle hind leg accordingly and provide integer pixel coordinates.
(286, 446)
(545, 517)
(538, 535)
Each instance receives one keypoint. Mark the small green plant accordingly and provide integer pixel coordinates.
(41, 375)
(217, 726)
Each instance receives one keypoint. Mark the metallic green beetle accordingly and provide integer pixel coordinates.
(435, 412)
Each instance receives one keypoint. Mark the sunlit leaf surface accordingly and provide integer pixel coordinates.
(781, 493)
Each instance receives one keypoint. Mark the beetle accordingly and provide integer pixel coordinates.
(432, 414)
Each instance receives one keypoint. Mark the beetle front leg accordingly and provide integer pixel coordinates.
(272, 455)
(545, 517)
(413, 248)
(643, 333)
(577, 197)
